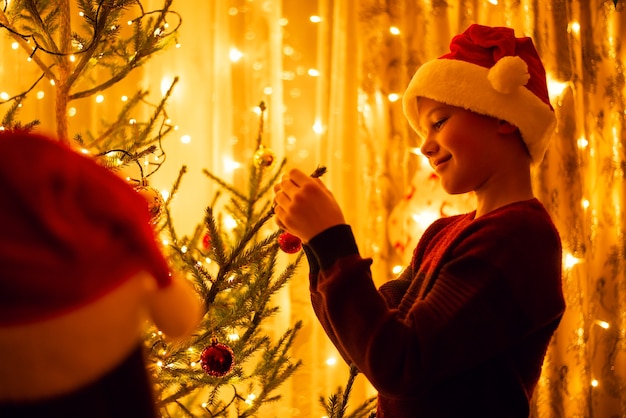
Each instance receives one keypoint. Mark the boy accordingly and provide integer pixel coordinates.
(464, 330)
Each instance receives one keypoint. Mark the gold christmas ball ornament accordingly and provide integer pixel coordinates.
(155, 200)
(264, 157)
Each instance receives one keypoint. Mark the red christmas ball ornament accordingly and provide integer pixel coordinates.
(217, 360)
(206, 241)
(289, 243)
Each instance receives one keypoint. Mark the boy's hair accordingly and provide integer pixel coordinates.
(490, 71)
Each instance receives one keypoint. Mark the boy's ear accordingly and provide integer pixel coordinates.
(505, 127)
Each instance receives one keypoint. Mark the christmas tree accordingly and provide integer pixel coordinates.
(231, 366)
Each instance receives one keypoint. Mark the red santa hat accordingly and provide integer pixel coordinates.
(72, 230)
(490, 71)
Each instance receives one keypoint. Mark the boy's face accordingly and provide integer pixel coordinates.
(463, 147)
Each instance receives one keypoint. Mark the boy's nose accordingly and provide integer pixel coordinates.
(429, 147)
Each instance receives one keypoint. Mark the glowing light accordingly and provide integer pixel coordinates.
(570, 261)
(250, 399)
(235, 54)
(72, 111)
(84, 151)
(494, 2)
(183, 249)
(132, 121)
(602, 324)
(15, 45)
(573, 27)
(99, 98)
(394, 30)
(124, 98)
(165, 242)
(72, 58)
(315, 19)
(585, 203)
(165, 194)
(230, 165)
(52, 83)
(397, 269)
(555, 88)
(313, 72)
(582, 142)
(283, 21)
(185, 139)
(40, 94)
(425, 218)
(166, 83)
(318, 128)
(267, 90)
(159, 363)
(233, 336)
(4, 95)
(393, 97)
(331, 361)
(594, 383)
(230, 222)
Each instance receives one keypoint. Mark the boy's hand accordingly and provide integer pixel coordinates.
(304, 206)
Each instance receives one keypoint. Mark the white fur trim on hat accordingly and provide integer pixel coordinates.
(498, 91)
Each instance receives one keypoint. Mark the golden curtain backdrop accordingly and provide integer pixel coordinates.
(331, 73)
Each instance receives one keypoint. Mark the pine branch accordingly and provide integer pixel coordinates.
(337, 404)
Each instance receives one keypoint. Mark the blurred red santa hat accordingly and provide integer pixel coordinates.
(72, 230)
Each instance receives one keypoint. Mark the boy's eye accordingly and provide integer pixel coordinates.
(438, 124)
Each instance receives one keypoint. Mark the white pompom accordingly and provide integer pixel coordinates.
(508, 74)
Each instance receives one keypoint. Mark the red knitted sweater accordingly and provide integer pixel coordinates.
(464, 330)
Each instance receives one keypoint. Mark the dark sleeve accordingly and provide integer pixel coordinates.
(337, 238)
(500, 284)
